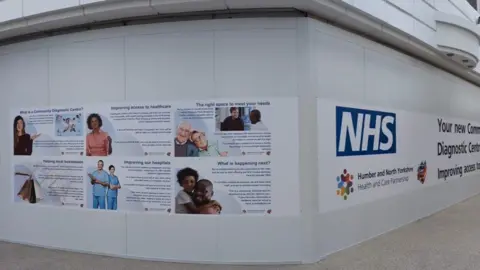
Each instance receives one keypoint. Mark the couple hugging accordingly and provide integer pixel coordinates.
(196, 195)
(194, 143)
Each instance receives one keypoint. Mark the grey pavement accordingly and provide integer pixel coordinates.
(446, 240)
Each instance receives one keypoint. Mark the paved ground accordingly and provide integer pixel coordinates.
(447, 240)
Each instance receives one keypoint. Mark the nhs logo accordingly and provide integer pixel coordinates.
(365, 132)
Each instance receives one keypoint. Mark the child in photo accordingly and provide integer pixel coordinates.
(187, 178)
(196, 196)
(203, 198)
(69, 125)
(65, 124)
(206, 147)
(72, 127)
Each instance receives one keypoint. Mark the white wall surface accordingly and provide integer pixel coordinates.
(224, 58)
(193, 60)
(34, 7)
(415, 17)
(354, 70)
(406, 24)
(10, 10)
(416, 9)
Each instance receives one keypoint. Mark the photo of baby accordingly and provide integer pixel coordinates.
(69, 125)
(195, 196)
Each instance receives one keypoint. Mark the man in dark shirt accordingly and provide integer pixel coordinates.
(183, 146)
(233, 122)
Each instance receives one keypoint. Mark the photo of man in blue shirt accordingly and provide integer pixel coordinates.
(100, 181)
(113, 187)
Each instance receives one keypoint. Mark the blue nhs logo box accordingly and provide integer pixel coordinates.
(365, 132)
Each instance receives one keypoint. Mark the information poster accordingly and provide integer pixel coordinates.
(367, 153)
(182, 157)
(129, 130)
(48, 132)
(54, 181)
(145, 184)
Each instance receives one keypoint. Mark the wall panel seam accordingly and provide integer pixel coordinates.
(126, 234)
(214, 42)
(459, 9)
(49, 84)
(429, 4)
(409, 14)
(124, 40)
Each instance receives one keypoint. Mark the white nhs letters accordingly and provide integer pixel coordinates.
(359, 135)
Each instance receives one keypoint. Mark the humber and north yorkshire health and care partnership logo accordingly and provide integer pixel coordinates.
(344, 184)
(422, 172)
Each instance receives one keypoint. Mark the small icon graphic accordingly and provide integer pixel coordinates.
(344, 184)
(422, 172)
(269, 211)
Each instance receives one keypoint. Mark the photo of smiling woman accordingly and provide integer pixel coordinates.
(98, 142)
(22, 141)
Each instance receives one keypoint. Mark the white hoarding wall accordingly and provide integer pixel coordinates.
(368, 153)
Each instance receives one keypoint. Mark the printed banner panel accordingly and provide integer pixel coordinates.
(367, 153)
(190, 157)
(49, 132)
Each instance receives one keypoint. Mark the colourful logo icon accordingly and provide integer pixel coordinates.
(344, 184)
(422, 172)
